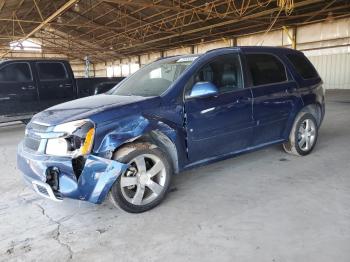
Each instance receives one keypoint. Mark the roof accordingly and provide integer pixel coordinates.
(113, 29)
(33, 60)
(268, 49)
(272, 49)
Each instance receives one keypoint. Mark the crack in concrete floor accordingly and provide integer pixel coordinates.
(57, 231)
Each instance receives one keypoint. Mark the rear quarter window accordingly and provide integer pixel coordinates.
(51, 71)
(303, 66)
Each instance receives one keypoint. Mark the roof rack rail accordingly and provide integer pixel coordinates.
(161, 58)
(229, 47)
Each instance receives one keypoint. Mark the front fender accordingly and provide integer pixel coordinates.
(112, 135)
(129, 129)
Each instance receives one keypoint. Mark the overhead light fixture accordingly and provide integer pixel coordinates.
(330, 17)
(76, 8)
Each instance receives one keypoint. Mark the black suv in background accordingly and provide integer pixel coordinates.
(30, 86)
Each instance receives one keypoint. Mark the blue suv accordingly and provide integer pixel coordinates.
(173, 114)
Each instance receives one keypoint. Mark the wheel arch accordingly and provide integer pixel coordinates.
(315, 110)
(142, 129)
(159, 139)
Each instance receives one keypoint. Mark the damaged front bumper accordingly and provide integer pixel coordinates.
(92, 185)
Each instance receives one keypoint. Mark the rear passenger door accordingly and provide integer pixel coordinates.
(275, 97)
(18, 92)
(55, 84)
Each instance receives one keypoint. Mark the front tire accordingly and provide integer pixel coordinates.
(145, 183)
(303, 136)
(25, 121)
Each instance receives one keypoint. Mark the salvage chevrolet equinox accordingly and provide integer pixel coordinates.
(173, 114)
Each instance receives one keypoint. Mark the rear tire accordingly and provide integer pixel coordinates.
(303, 136)
(146, 182)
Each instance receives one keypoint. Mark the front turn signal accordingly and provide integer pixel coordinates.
(89, 139)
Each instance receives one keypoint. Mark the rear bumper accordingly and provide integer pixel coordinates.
(92, 185)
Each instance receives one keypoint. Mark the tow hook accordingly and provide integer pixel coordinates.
(52, 177)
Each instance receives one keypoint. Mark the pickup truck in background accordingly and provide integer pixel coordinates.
(30, 86)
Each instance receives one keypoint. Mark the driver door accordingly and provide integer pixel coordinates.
(220, 123)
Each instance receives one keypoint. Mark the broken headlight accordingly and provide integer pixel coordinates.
(77, 139)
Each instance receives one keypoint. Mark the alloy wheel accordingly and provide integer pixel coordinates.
(144, 180)
(306, 135)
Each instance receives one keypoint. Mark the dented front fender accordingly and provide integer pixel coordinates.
(110, 136)
(113, 135)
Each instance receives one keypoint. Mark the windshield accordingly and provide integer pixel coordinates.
(153, 79)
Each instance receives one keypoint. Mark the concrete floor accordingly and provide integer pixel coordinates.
(262, 206)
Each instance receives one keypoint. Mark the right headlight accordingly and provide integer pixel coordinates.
(77, 140)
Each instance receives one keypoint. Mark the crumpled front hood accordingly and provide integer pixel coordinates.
(91, 107)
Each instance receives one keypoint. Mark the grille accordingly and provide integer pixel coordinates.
(31, 143)
(42, 190)
(45, 190)
(31, 140)
(38, 127)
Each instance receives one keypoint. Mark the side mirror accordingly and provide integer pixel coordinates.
(203, 89)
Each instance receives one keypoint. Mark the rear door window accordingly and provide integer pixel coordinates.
(265, 69)
(16, 72)
(302, 66)
(51, 71)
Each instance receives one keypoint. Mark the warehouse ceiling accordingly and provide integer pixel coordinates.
(113, 29)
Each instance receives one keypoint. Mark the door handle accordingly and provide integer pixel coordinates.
(207, 110)
(291, 90)
(28, 88)
(240, 102)
(241, 99)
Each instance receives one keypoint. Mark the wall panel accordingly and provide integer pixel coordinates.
(334, 70)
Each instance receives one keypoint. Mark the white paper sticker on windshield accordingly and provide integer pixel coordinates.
(187, 59)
